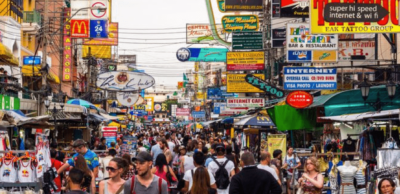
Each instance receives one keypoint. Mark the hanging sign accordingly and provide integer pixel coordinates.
(299, 56)
(278, 38)
(247, 41)
(245, 102)
(79, 28)
(264, 86)
(98, 28)
(309, 78)
(202, 54)
(299, 99)
(237, 83)
(240, 23)
(149, 103)
(294, 8)
(127, 98)
(124, 81)
(245, 61)
(67, 51)
(235, 5)
(320, 24)
(182, 111)
(221, 5)
(299, 38)
(202, 33)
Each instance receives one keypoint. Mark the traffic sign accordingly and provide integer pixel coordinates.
(354, 12)
(247, 41)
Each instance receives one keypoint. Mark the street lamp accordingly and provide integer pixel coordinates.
(47, 104)
(378, 104)
(364, 87)
(391, 89)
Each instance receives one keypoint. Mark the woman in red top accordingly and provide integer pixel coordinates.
(161, 169)
(56, 164)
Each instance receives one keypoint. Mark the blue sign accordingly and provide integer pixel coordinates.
(98, 28)
(309, 78)
(217, 110)
(149, 118)
(32, 60)
(226, 94)
(202, 54)
(198, 114)
(214, 93)
(299, 56)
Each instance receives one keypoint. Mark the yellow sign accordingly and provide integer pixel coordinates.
(103, 52)
(324, 56)
(245, 61)
(277, 142)
(237, 83)
(149, 103)
(196, 79)
(196, 66)
(389, 24)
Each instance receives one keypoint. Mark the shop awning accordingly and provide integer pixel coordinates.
(263, 121)
(8, 56)
(27, 71)
(107, 116)
(362, 116)
(19, 119)
(97, 118)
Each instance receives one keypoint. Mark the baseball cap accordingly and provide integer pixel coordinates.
(143, 157)
(220, 147)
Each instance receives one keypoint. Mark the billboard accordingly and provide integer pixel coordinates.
(80, 28)
(299, 56)
(98, 28)
(244, 61)
(389, 23)
(247, 41)
(112, 39)
(249, 5)
(309, 78)
(356, 47)
(299, 38)
(202, 54)
(237, 83)
(278, 38)
(202, 33)
(124, 81)
(294, 8)
(240, 23)
(245, 102)
(67, 50)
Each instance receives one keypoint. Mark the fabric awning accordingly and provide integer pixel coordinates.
(264, 121)
(362, 116)
(27, 71)
(107, 116)
(7, 55)
(97, 118)
(19, 119)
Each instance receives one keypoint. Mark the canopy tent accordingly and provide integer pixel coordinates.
(263, 121)
(293, 119)
(362, 116)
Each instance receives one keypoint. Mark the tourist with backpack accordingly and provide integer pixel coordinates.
(222, 169)
(290, 162)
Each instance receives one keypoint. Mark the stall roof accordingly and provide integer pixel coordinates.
(19, 119)
(362, 116)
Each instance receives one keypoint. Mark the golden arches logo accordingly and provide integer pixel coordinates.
(262, 118)
(80, 24)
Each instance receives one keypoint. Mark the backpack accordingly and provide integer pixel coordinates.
(222, 175)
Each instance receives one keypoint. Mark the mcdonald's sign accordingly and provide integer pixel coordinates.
(79, 28)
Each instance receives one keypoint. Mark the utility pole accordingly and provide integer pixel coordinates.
(269, 58)
(44, 60)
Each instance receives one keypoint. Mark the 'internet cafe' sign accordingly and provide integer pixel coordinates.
(240, 23)
(262, 85)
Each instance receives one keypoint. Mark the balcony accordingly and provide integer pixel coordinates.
(32, 21)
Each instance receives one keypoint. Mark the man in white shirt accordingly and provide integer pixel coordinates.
(229, 166)
(198, 161)
(264, 164)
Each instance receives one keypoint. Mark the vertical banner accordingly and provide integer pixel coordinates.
(277, 142)
(67, 52)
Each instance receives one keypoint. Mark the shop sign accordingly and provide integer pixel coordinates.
(240, 23)
(319, 25)
(299, 56)
(294, 8)
(235, 5)
(112, 39)
(97, 14)
(149, 101)
(347, 49)
(98, 28)
(9, 103)
(214, 94)
(247, 41)
(101, 52)
(160, 107)
(255, 81)
(124, 81)
(79, 9)
(110, 137)
(245, 102)
(299, 99)
(309, 78)
(278, 38)
(277, 142)
(80, 28)
(221, 109)
(245, 61)
(299, 38)
(32, 60)
(67, 52)
(324, 56)
(127, 98)
(237, 83)
(110, 128)
(202, 33)
(221, 5)
(198, 114)
(183, 100)
(182, 111)
(112, 68)
(173, 109)
(202, 54)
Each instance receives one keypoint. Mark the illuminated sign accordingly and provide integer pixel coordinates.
(299, 99)
(67, 52)
(240, 23)
(80, 28)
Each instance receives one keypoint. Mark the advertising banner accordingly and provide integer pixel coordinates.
(98, 28)
(102, 52)
(182, 111)
(277, 142)
(237, 83)
(357, 47)
(235, 5)
(129, 145)
(309, 78)
(160, 107)
(278, 38)
(202, 33)
(247, 41)
(245, 102)
(112, 39)
(294, 8)
(202, 54)
(67, 50)
(319, 25)
(79, 28)
(324, 56)
(299, 38)
(240, 23)
(110, 133)
(32, 60)
(124, 81)
(198, 114)
(299, 56)
(245, 61)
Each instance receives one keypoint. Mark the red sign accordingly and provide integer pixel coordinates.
(67, 52)
(299, 99)
(80, 28)
(182, 111)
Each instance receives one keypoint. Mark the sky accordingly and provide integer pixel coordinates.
(154, 23)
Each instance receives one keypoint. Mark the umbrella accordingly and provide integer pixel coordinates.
(265, 121)
(83, 103)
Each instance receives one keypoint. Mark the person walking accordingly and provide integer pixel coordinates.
(311, 181)
(89, 178)
(56, 164)
(201, 182)
(290, 162)
(131, 169)
(252, 180)
(187, 160)
(157, 149)
(145, 182)
(115, 185)
(265, 165)
(74, 180)
(163, 170)
(277, 162)
(222, 169)
(106, 160)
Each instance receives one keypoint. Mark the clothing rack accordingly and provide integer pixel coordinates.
(327, 154)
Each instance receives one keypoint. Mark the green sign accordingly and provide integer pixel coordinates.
(9, 103)
(112, 67)
(240, 23)
(247, 41)
(221, 5)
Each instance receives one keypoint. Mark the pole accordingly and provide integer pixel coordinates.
(88, 70)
